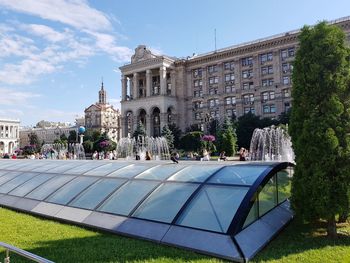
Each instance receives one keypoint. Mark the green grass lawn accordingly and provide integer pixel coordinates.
(67, 243)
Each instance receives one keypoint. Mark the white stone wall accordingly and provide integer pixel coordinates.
(9, 135)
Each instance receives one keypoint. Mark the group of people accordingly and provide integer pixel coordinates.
(110, 155)
(243, 154)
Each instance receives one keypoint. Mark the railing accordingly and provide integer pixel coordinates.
(22, 253)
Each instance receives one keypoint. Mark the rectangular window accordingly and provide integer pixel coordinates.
(198, 83)
(213, 80)
(229, 77)
(272, 95)
(266, 57)
(249, 109)
(213, 91)
(230, 100)
(197, 72)
(247, 74)
(273, 108)
(230, 89)
(229, 65)
(286, 106)
(266, 109)
(286, 80)
(212, 68)
(287, 53)
(247, 61)
(265, 96)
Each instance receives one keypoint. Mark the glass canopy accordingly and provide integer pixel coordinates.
(216, 198)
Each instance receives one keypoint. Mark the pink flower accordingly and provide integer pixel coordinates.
(208, 138)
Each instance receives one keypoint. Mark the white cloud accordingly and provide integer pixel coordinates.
(33, 50)
(18, 98)
(107, 43)
(45, 32)
(76, 13)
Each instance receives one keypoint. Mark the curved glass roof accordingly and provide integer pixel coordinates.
(212, 197)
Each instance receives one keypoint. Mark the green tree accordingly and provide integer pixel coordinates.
(192, 141)
(167, 133)
(245, 127)
(227, 138)
(140, 130)
(284, 117)
(72, 137)
(34, 141)
(63, 138)
(177, 134)
(320, 125)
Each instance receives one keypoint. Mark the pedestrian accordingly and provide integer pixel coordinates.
(148, 156)
(175, 157)
(222, 156)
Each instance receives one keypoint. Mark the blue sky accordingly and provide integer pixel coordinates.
(53, 53)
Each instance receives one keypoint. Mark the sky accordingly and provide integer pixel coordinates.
(54, 53)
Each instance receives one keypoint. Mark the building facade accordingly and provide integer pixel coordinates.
(102, 117)
(45, 134)
(9, 136)
(251, 77)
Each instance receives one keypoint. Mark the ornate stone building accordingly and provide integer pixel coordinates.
(103, 117)
(9, 135)
(251, 77)
(45, 134)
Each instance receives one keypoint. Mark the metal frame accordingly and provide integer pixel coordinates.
(22, 253)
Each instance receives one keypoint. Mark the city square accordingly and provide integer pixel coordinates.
(117, 146)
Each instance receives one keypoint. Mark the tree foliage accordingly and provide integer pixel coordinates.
(192, 141)
(167, 133)
(140, 130)
(227, 138)
(34, 141)
(320, 125)
(72, 137)
(177, 134)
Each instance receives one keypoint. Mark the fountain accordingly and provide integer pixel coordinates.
(131, 149)
(63, 151)
(271, 144)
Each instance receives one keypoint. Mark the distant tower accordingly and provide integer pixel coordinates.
(102, 95)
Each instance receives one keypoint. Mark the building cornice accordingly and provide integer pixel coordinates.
(142, 65)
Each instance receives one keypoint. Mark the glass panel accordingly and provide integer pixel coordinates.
(253, 214)
(49, 187)
(8, 176)
(10, 185)
(284, 183)
(2, 173)
(87, 166)
(31, 184)
(70, 190)
(47, 166)
(238, 174)
(213, 208)
(90, 198)
(64, 167)
(107, 168)
(29, 166)
(17, 164)
(268, 196)
(6, 164)
(160, 172)
(130, 171)
(165, 202)
(124, 200)
(195, 173)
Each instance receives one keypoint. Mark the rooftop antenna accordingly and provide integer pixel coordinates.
(215, 38)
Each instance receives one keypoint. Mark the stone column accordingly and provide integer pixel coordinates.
(148, 82)
(124, 87)
(136, 85)
(131, 88)
(172, 81)
(163, 120)
(162, 74)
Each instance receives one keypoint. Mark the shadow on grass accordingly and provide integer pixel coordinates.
(299, 238)
(106, 247)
